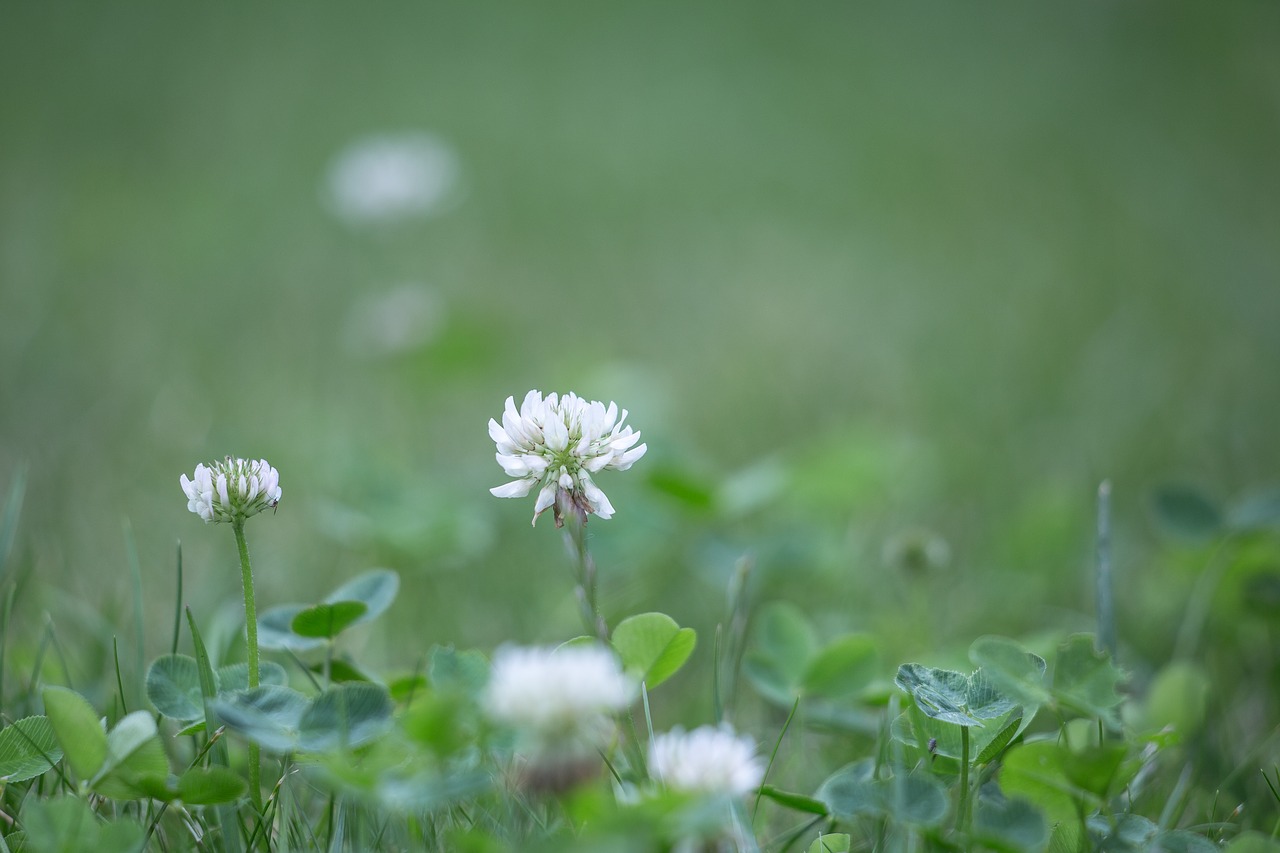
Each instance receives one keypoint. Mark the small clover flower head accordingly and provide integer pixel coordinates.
(562, 695)
(232, 490)
(386, 178)
(709, 760)
(556, 443)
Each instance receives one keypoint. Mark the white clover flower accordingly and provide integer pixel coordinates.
(392, 176)
(709, 759)
(557, 694)
(557, 443)
(232, 490)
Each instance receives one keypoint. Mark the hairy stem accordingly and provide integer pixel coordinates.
(251, 643)
(575, 532)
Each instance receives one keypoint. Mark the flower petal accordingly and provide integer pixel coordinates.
(514, 489)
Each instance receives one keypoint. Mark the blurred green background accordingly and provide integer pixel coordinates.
(888, 288)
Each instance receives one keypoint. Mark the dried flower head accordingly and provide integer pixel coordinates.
(557, 443)
(709, 759)
(232, 490)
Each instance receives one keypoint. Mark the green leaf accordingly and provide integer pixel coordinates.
(1178, 699)
(130, 734)
(204, 786)
(784, 643)
(466, 671)
(1187, 513)
(1034, 771)
(916, 799)
(914, 728)
(1084, 679)
(268, 716)
(652, 646)
(345, 716)
(327, 621)
(1124, 832)
(1015, 672)
(275, 630)
(1252, 842)
(1095, 769)
(1009, 826)
(796, 802)
(1004, 733)
(443, 720)
(941, 693)
(1181, 841)
(341, 670)
(75, 724)
(235, 676)
(121, 836)
(173, 687)
(144, 773)
(375, 589)
(848, 793)
(843, 668)
(405, 687)
(835, 842)
(59, 825)
(27, 749)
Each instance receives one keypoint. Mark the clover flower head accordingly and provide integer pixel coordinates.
(556, 443)
(390, 177)
(710, 759)
(232, 490)
(557, 694)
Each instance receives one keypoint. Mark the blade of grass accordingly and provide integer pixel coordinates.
(12, 512)
(177, 607)
(10, 591)
(115, 652)
(772, 756)
(135, 573)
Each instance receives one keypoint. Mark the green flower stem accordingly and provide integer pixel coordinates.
(575, 531)
(251, 642)
(962, 812)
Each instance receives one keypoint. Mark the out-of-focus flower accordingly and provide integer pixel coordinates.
(709, 759)
(232, 490)
(389, 177)
(401, 319)
(557, 443)
(557, 694)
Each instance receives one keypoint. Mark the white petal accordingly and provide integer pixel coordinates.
(514, 489)
(593, 464)
(624, 440)
(556, 434)
(626, 460)
(222, 491)
(500, 437)
(513, 466)
(546, 498)
(596, 499)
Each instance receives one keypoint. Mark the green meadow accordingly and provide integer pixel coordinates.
(890, 292)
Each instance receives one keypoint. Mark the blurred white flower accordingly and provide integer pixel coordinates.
(557, 694)
(232, 490)
(398, 320)
(709, 759)
(390, 177)
(557, 443)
